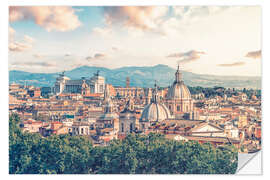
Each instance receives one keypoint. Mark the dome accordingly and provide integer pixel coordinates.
(178, 90)
(156, 111)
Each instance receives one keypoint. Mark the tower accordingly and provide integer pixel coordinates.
(127, 82)
(85, 88)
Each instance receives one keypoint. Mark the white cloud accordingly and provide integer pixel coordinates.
(28, 39)
(141, 17)
(58, 18)
(19, 47)
(25, 45)
(103, 32)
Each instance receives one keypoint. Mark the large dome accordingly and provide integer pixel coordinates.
(155, 111)
(178, 90)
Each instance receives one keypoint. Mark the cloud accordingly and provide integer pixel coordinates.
(19, 47)
(232, 64)
(11, 33)
(141, 17)
(58, 18)
(190, 12)
(38, 56)
(40, 64)
(67, 54)
(254, 54)
(187, 56)
(96, 56)
(28, 39)
(26, 44)
(99, 55)
(115, 48)
(104, 32)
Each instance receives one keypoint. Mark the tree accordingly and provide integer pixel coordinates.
(136, 154)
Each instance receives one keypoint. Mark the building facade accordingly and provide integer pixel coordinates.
(95, 84)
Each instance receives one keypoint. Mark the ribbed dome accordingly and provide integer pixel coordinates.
(155, 112)
(179, 91)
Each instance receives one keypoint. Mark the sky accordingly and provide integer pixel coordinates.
(215, 40)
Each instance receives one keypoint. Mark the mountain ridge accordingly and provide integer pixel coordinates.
(140, 76)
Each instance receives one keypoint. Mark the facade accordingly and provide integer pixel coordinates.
(80, 128)
(127, 119)
(109, 119)
(178, 98)
(95, 84)
(207, 130)
(129, 91)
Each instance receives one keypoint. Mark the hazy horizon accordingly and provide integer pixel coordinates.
(130, 67)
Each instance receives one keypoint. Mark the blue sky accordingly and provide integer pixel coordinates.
(205, 40)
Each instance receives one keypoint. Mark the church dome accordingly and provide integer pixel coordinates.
(178, 90)
(155, 111)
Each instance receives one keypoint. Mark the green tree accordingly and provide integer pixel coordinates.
(136, 154)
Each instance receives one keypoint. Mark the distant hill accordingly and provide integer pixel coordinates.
(139, 76)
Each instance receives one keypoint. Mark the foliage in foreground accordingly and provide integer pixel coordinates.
(140, 154)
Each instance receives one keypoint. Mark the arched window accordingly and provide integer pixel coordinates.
(131, 127)
(178, 108)
(122, 127)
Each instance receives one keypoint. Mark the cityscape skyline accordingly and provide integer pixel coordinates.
(42, 39)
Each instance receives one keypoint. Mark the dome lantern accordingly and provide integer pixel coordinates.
(178, 75)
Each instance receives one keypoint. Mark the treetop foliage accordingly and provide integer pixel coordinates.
(136, 154)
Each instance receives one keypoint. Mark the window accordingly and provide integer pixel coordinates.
(131, 127)
(178, 108)
(122, 127)
(82, 130)
(101, 87)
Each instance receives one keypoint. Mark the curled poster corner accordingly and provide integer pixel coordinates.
(249, 163)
